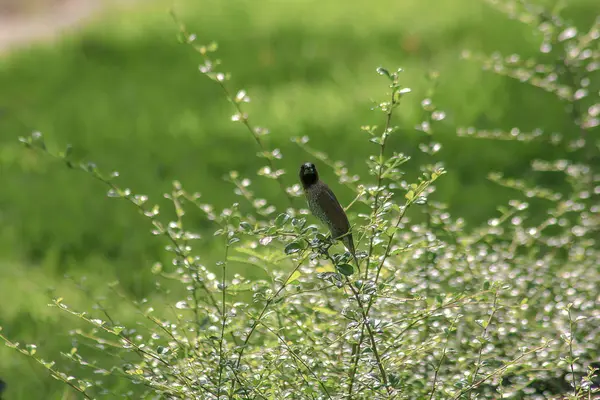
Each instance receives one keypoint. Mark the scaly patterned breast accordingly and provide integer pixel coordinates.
(315, 209)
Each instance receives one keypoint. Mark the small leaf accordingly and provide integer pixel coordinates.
(325, 310)
(118, 329)
(391, 230)
(212, 47)
(25, 141)
(298, 222)
(294, 277)
(332, 277)
(345, 269)
(384, 72)
(31, 348)
(157, 268)
(325, 268)
(421, 200)
(486, 285)
(68, 151)
(113, 193)
(91, 167)
(245, 226)
(321, 238)
(265, 240)
(293, 247)
(410, 195)
(281, 220)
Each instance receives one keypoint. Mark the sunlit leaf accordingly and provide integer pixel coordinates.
(297, 274)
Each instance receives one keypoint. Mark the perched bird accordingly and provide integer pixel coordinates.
(325, 206)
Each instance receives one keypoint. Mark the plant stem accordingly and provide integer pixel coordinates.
(299, 359)
(483, 336)
(388, 121)
(261, 314)
(380, 366)
(223, 315)
(571, 351)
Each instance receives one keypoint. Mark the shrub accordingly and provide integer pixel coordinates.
(434, 309)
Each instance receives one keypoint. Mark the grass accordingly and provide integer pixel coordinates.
(127, 96)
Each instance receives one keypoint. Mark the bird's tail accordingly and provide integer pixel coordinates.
(349, 243)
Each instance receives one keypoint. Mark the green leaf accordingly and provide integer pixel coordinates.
(391, 230)
(321, 238)
(157, 268)
(486, 285)
(297, 274)
(241, 287)
(91, 167)
(245, 226)
(421, 200)
(25, 141)
(298, 222)
(281, 220)
(293, 247)
(345, 269)
(68, 150)
(384, 72)
(410, 195)
(325, 310)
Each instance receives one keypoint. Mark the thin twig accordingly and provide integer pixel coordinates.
(482, 340)
(223, 315)
(498, 371)
(238, 108)
(439, 365)
(260, 315)
(299, 359)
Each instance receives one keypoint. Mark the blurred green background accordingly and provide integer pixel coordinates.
(129, 97)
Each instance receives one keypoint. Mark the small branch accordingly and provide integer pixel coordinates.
(232, 99)
(439, 365)
(356, 355)
(571, 360)
(261, 314)
(498, 371)
(299, 359)
(482, 340)
(388, 121)
(223, 315)
(52, 371)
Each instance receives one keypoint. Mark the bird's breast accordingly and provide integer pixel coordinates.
(312, 198)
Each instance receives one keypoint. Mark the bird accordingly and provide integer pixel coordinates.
(323, 204)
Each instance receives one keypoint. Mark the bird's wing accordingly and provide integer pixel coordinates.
(333, 210)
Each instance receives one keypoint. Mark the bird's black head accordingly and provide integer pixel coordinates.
(308, 175)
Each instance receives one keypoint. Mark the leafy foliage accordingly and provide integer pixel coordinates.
(435, 310)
